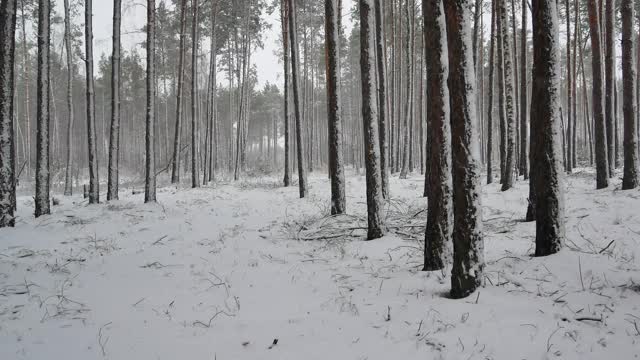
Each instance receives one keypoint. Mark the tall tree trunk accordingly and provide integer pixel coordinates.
(286, 52)
(370, 120)
(114, 133)
(524, 108)
(602, 160)
(406, 143)
(175, 172)
(509, 94)
(94, 189)
(437, 249)
(336, 162)
(295, 66)
(609, 75)
(150, 156)
(570, 115)
(468, 244)
(382, 97)
(68, 181)
(8, 11)
(630, 178)
(546, 151)
(43, 206)
(492, 67)
(195, 129)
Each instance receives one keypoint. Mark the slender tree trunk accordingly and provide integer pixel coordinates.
(285, 45)
(602, 161)
(175, 172)
(406, 144)
(546, 151)
(150, 158)
(468, 244)
(68, 181)
(492, 67)
(94, 190)
(609, 75)
(336, 162)
(382, 97)
(114, 133)
(42, 202)
(630, 178)
(509, 94)
(195, 130)
(437, 251)
(8, 11)
(295, 66)
(524, 108)
(370, 120)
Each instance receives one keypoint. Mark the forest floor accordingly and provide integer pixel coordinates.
(249, 271)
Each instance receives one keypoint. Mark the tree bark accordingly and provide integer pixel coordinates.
(630, 178)
(114, 133)
(370, 120)
(336, 162)
(600, 133)
(509, 96)
(382, 97)
(437, 251)
(150, 158)
(285, 45)
(175, 172)
(546, 151)
(609, 75)
(195, 129)
(492, 67)
(94, 189)
(295, 66)
(8, 16)
(468, 244)
(68, 181)
(42, 202)
(524, 108)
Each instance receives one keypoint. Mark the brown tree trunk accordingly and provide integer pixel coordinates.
(630, 178)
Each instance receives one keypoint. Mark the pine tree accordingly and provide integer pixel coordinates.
(150, 158)
(94, 189)
(437, 249)
(175, 172)
(370, 120)
(68, 181)
(114, 133)
(43, 205)
(629, 106)
(546, 150)
(468, 244)
(8, 11)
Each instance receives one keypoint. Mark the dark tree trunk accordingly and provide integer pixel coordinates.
(114, 134)
(150, 158)
(8, 11)
(492, 66)
(336, 162)
(437, 249)
(295, 66)
(524, 108)
(195, 130)
(382, 97)
(546, 151)
(68, 181)
(285, 45)
(630, 178)
(609, 75)
(468, 244)
(600, 133)
(509, 96)
(175, 172)
(94, 184)
(43, 206)
(370, 119)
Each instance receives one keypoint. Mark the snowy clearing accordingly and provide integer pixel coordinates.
(224, 273)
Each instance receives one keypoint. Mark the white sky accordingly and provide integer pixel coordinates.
(134, 16)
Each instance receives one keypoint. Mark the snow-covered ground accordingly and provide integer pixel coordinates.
(225, 272)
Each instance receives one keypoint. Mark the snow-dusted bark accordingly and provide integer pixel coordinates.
(382, 96)
(114, 133)
(508, 89)
(602, 162)
(94, 183)
(629, 106)
(524, 108)
(610, 80)
(7, 151)
(285, 45)
(468, 244)
(43, 206)
(492, 67)
(336, 161)
(150, 158)
(68, 181)
(370, 119)
(546, 151)
(437, 249)
(195, 128)
(295, 67)
(408, 103)
(175, 172)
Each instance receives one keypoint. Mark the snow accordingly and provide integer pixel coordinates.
(128, 280)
